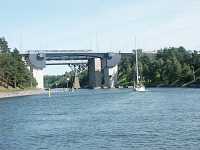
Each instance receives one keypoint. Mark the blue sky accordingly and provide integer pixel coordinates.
(100, 24)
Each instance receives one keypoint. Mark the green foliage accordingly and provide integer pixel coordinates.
(51, 81)
(169, 67)
(60, 81)
(13, 71)
(4, 46)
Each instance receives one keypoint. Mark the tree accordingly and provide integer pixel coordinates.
(4, 45)
(13, 71)
(168, 67)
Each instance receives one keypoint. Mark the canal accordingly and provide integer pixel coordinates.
(117, 119)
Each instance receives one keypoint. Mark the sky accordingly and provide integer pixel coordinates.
(100, 25)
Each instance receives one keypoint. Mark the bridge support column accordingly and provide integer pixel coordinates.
(39, 76)
(76, 84)
(109, 74)
(112, 74)
(94, 72)
(37, 64)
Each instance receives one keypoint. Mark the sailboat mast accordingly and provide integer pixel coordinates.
(136, 63)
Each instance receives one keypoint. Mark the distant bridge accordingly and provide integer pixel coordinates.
(102, 67)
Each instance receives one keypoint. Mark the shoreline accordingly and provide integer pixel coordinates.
(11, 94)
(20, 93)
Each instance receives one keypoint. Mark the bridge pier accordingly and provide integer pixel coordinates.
(76, 83)
(105, 77)
(112, 76)
(36, 62)
(39, 77)
(109, 74)
(94, 72)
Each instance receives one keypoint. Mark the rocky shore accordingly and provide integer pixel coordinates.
(20, 93)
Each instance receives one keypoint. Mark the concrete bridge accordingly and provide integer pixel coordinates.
(102, 67)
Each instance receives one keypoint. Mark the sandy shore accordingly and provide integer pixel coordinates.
(20, 93)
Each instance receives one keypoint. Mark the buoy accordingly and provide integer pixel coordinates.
(49, 92)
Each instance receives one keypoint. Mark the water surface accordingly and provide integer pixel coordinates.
(117, 119)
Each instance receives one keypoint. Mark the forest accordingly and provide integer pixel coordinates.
(169, 67)
(14, 73)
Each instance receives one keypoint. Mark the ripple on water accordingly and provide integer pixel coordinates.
(102, 119)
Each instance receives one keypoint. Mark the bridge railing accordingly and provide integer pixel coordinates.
(54, 51)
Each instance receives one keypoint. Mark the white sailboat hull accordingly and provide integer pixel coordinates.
(140, 89)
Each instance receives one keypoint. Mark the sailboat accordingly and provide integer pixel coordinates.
(138, 86)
